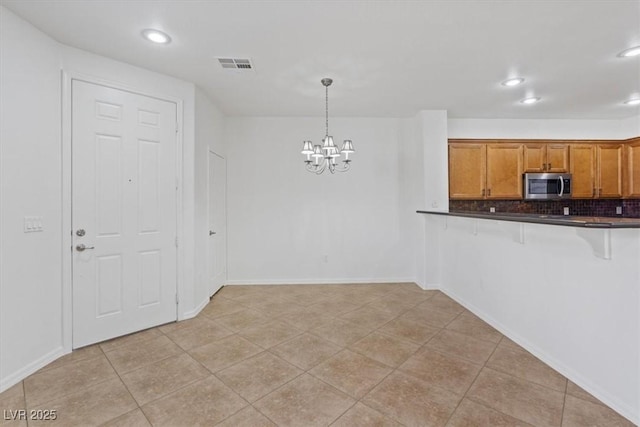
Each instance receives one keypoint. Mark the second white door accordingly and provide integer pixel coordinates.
(124, 203)
(217, 222)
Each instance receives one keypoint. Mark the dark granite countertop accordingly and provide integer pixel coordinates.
(565, 220)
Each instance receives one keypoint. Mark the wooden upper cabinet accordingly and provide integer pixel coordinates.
(535, 157)
(485, 169)
(546, 157)
(557, 157)
(583, 170)
(632, 172)
(504, 171)
(609, 170)
(596, 170)
(467, 170)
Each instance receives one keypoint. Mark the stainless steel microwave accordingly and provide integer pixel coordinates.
(547, 186)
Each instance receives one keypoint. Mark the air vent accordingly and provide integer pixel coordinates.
(236, 63)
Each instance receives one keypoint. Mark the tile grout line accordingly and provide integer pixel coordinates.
(564, 400)
(484, 364)
(393, 369)
(307, 371)
(149, 364)
(512, 376)
(24, 398)
(27, 405)
(126, 388)
(497, 369)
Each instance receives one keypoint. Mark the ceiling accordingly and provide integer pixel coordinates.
(387, 58)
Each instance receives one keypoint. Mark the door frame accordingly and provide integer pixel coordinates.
(67, 78)
(210, 150)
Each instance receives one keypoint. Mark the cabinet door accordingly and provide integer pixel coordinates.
(582, 166)
(466, 171)
(609, 170)
(557, 158)
(504, 171)
(633, 170)
(534, 157)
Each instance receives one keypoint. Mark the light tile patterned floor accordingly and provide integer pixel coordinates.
(311, 355)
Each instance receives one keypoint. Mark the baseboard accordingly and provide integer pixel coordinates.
(430, 286)
(320, 281)
(193, 313)
(16, 377)
(563, 369)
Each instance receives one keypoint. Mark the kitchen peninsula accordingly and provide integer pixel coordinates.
(565, 288)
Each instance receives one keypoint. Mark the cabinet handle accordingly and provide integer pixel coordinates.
(593, 193)
(600, 192)
(548, 166)
(483, 192)
(489, 192)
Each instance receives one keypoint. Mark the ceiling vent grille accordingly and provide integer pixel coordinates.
(236, 63)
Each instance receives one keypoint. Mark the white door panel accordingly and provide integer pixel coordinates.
(124, 198)
(217, 222)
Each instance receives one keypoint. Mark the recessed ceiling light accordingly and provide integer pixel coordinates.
(156, 36)
(513, 82)
(633, 101)
(530, 100)
(632, 51)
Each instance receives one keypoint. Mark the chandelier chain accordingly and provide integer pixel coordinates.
(326, 109)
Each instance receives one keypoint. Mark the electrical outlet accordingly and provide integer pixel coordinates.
(492, 209)
(33, 224)
(618, 210)
(565, 210)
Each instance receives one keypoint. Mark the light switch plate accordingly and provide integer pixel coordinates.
(33, 224)
(565, 210)
(618, 210)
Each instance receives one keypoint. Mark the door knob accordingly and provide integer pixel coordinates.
(81, 247)
(211, 233)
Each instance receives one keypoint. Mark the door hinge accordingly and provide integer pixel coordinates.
(177, 300)
(176, 242)
(177, 127)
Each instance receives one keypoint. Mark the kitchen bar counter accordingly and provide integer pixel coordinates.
(564, 220)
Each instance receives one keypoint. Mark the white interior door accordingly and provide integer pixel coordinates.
(123, 212)
(217, 222)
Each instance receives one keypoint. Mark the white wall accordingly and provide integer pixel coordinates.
(544, 129)
(412, 194)
(577, 312)
(209, 134)
(436, 159)
(30, 163)
(284, 221)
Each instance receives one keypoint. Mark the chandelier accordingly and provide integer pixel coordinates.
(326, 156)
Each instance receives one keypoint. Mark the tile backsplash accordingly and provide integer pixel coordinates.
(579, 207)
